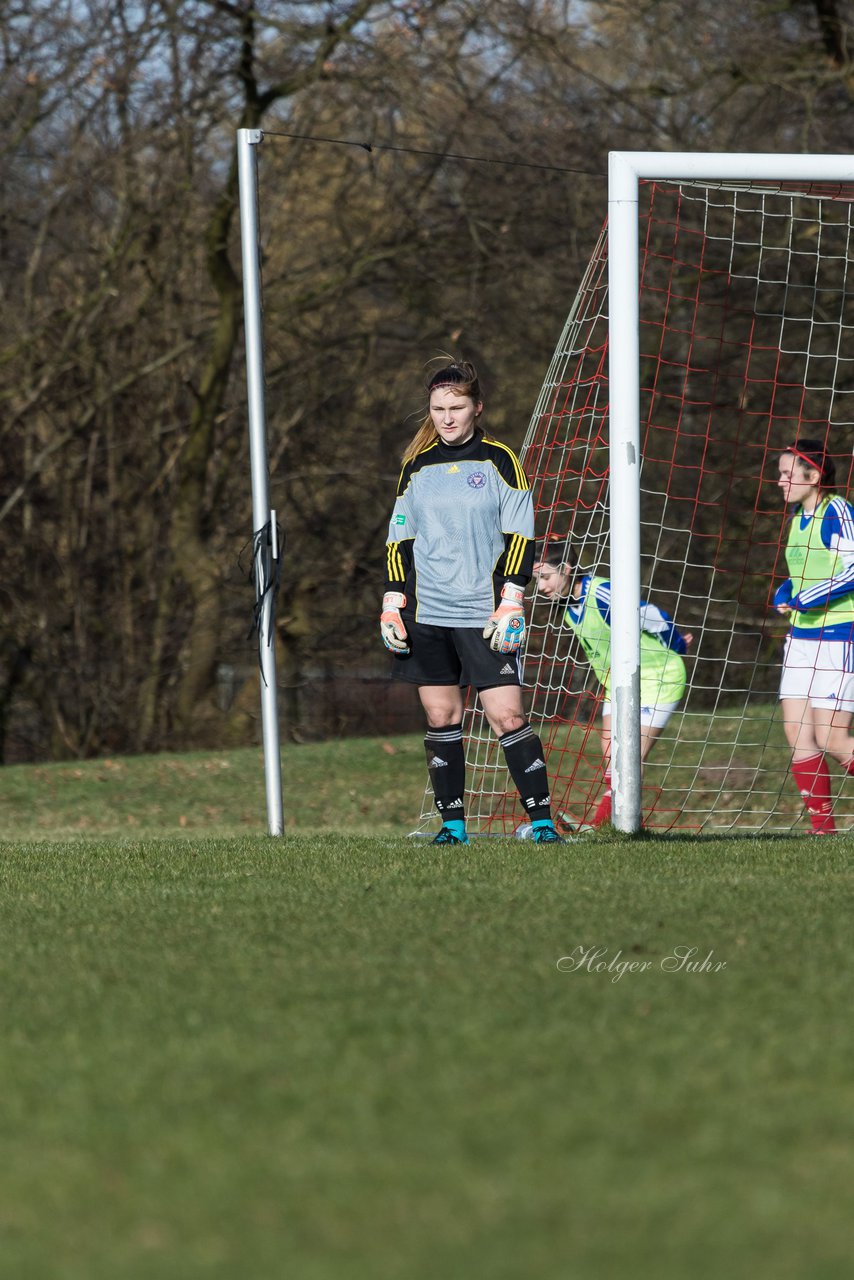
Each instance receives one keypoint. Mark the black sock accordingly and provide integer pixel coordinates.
(446, 764)
(523, 752)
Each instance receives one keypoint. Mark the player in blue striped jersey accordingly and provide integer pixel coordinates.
(817, 683)
(458, 557)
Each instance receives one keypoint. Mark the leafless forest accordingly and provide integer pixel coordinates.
(125, 505)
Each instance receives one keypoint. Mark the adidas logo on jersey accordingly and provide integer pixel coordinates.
(437, 763)
(453, 471)
(538, 764)
(507, 670)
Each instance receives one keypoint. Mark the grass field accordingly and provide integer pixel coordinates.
(344, 1056)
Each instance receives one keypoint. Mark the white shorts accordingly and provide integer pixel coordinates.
(820, 671)
(650, 717)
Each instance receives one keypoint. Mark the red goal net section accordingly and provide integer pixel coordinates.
(727, 291)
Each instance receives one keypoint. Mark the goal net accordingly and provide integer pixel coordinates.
(746, 342)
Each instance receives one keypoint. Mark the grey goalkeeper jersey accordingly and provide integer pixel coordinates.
(462, 526)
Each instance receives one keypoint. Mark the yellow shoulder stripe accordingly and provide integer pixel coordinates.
(521, 478)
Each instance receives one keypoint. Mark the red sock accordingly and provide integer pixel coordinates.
(813, 779)
(603, 808)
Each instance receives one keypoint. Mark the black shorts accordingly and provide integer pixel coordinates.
(454, 655)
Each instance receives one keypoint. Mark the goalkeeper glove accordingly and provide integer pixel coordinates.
(392, 629)
(506, 628)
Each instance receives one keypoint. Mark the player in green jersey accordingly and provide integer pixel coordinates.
(662, 670)
(817, 682)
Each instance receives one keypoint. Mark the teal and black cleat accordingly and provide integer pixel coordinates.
(447, 836)
(546, 834)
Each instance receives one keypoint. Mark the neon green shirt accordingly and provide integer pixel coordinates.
(662, 671)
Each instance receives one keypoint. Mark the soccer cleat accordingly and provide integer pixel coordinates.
(546, 834)
(447, 836)
(568, 824)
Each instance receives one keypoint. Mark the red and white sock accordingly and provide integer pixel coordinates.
(603, 808)
(813, 781)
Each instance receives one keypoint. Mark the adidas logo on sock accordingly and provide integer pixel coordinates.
(538, 764)
(438, 763)
(507, 670)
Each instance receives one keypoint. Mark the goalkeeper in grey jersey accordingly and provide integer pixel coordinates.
(460, 551)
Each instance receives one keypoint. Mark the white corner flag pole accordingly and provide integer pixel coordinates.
(264, 537)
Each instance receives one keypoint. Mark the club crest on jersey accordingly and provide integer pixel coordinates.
(477, 480)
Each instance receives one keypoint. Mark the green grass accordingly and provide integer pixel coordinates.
(344, 1057)
(358, 784)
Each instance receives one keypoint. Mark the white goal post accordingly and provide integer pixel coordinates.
(626, 169)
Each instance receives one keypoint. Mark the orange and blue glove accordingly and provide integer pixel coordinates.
(506, 628)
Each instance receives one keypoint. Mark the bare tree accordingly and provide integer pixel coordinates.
(125, 499)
